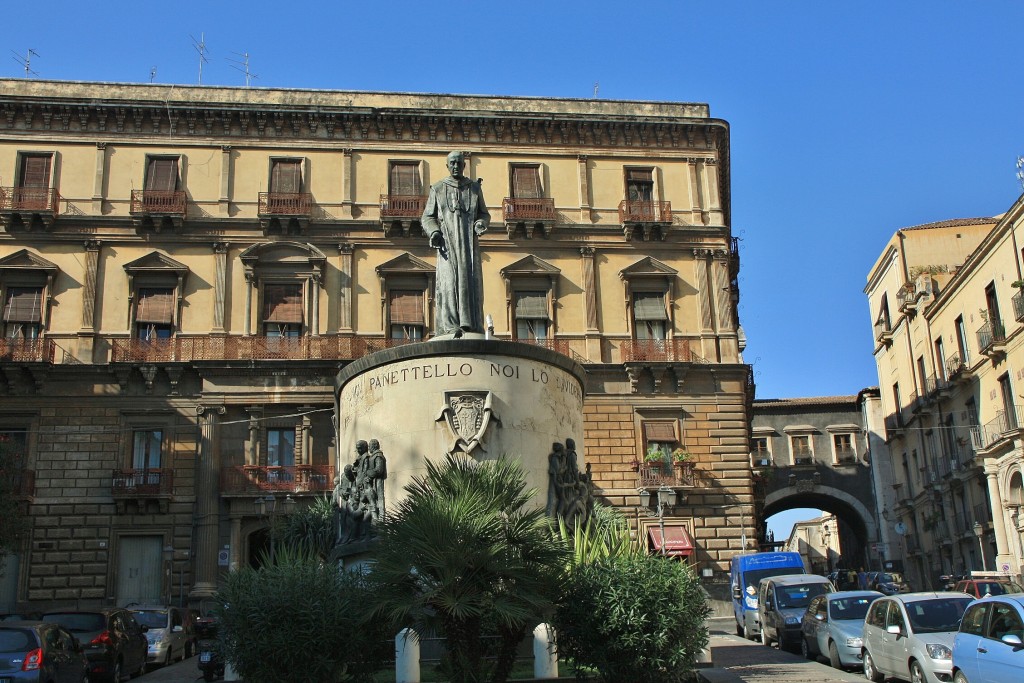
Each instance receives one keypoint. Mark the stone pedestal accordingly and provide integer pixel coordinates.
(483, 398)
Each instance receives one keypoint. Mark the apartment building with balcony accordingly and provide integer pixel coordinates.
(948, 318)
(184, 270)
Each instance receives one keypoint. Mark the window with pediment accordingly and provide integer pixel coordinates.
(156, 286)
(285, 279)
(531, 291)
(406, 288)
(26, 283)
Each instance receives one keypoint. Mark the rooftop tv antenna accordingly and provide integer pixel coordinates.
(200, 46)
(152, 74)
(597, 86)
(1020, 171)
(26, 61)
(243, 66)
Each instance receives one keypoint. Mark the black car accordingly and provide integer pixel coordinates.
(36, 652)
(113, 641)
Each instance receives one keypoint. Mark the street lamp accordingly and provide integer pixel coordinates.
(979, 531)
(665, 496)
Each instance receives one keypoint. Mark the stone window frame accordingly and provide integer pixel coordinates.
(406, 272)
(644, 527)
(421, 170)
(179, 167)
(132, 422)
(54, 166)
(543, 182)
(304, 168)
(851, 430)
(794, 432)
(531, 274)
(156, 270)
(25, 268)
(766, 433)
(283, 262)
(649, 275)
(28, 422)
(641, 416)
(657, 191)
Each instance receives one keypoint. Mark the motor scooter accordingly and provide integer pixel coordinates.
(210, 661)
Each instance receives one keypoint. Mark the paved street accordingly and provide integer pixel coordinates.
(186, 671)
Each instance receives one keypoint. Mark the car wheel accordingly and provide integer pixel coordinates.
(805, 648)
(765, 640)
(115, 675)
(959, 677)
(740, 629)
(747, 633)
(870, 672)
(833, 655)
(917, 673)
(168, 659)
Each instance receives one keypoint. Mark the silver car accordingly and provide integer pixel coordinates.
(167, 638)
(833, 625)
(910, 636)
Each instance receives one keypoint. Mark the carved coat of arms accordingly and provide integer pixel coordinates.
(468, 414)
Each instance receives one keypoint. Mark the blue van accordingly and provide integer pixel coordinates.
(745, 573)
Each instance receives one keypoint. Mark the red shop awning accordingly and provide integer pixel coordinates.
(677, 540)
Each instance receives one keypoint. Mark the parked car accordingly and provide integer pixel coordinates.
(833, 625)
(888, 583)
(745, 573)
(910, 636)
(989, 648)
(979, 588)
(166, 634)
(113, 641)
(781, 603)
(41, 653)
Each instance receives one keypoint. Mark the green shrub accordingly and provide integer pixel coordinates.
(633, 618)
(297, 619)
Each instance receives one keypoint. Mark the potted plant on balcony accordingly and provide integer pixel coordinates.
(682, 461)
(1017, 284)
(655, 460)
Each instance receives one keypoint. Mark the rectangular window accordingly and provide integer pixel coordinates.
(281, 447)
(531, 314)
(961, 341)
(23, 312)
(525, 182)
(282, 310)
(660, 436)
(844, 448)
(992, 304)
(34, 171)
(1009, 407)
(940, 359)
(640, 184)
(162, 174)
(14, 448)
(760, 455)
(801, 447)
(649, 315)
(286, 176)
(405, 311)
(146, 445)
(405, 179)
(154, 313)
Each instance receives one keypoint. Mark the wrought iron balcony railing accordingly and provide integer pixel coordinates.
(539, 209)
(651, 475)
(147, 202)
(991, 334)
(30, 199)
(286, 204)
(673, 350)
(1005, 424)
(883, 330)
(1018, 306)
(402, 205)
(130, 483)
(956, 368)
(26, 350)
(631, 211)
(255, 479)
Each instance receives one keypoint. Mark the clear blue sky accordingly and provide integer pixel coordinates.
(849, 119)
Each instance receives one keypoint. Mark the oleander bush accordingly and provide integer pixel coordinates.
(633, 618)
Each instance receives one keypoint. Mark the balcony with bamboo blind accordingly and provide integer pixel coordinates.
(158, 209)
(647, 218)
(28, 207)
(528, 215)
(285, 212)
(401, 213)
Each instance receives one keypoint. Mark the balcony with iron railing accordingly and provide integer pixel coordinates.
(161, 203)
(285, 204)
(26, 351)
(883, 331)
(982, 513)
(658, 350)
(893, 424)
(409, 206)
(142, 483)
(1018, 306)
(1005, 425)
(991, 337)
(679, 474)
(258, 479)
(30, 200)
(529, 214)
(956, 369)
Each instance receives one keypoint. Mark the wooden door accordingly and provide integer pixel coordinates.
(139, 570)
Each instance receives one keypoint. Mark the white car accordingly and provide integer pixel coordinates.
(833, 625)
(910, 636)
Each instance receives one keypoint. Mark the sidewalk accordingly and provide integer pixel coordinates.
(183, 672)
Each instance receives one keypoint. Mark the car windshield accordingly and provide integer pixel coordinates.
(936, 616)
(753, 577)
(799, 596)
(998, 587)
(850, 608)
(890, 578)
(152, 618)
(77, 622)
(17, 640)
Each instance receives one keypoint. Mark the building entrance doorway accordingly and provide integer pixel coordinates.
(139, 575)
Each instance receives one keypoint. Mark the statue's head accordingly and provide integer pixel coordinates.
(570, 444)
(456, 164)
(557, 447)
(361, 446)
(374, 445)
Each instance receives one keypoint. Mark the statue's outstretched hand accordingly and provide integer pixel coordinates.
(479, 227)
(437, 240)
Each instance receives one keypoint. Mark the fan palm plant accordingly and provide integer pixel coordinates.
(466, 555)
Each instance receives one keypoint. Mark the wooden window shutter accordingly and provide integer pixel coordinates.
(649, 306)
(660, 431)
(282, 303)
(405, 179)
(156, 305)
(286, 176)
(406, 307)
(162, 174)
(531, 305)
(35, 170)
(24, 305)
(526, 182)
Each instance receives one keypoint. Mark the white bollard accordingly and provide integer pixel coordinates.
(545, 657)
(229, 672)
(407, 656)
